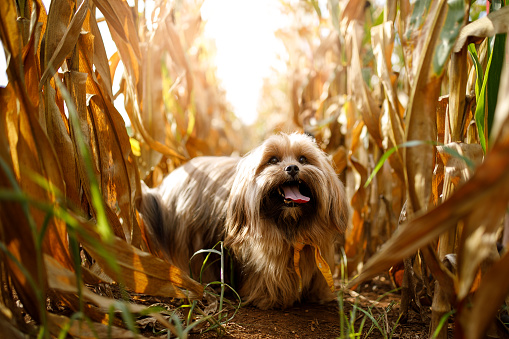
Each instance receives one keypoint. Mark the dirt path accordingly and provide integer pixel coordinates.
(323, 321)
(303, 321)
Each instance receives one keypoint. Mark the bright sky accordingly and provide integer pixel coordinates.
(246, 48)
(3, 67)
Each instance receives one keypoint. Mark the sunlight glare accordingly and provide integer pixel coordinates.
(3, 67)
(247, 48)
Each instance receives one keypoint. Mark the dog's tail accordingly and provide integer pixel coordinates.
(153, 214)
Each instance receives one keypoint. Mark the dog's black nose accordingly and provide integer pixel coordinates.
(292, 170)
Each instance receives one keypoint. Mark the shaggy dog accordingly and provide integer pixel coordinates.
(278, 210)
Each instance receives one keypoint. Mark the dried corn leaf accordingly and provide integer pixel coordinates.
(460, 160)
(100, 61)
(487, 300)
(18, 240)
(36, 156)
(86, 330)
(434, 43)
(135, 116)
(174, 46)
(457, 95)
(104, 131)
(20, 243)
(123, 30)
(140, 271)
(64, 281)
(494, 23)
(382, 40)
(61, 39)
(366, 104)
(473, 201)
(11, 38)
(31, 62)
(116, 168)
(153, 110)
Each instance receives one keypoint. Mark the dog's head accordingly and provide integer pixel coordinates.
(286, 189)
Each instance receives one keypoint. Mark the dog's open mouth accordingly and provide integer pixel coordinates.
(294, 192)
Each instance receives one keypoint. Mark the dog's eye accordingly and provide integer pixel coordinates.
(303, 159)
(273, 160)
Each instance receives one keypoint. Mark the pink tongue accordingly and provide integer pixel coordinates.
(292, 193)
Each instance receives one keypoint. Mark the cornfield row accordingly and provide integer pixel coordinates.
(410, 101)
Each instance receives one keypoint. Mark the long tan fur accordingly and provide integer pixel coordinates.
(240, 201)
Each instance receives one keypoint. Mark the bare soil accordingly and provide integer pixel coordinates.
(323, 321)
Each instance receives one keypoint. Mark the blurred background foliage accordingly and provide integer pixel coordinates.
(409, 99)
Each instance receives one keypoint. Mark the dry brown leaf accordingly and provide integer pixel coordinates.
(494, 23)
(134, 113)
(31, 65)
(152, 104)
(353, 11)
(61, 140)
(17, 240)
(9, 124)
(382, 41)
(174, 46)
(64, 281)
(421, 116)
(104, 131)
(365, 102)
(100, 58)
(8, 329)
(12, 213)
(487, 186)
(141, 271)
(123, 30)
(457, 95)
(12, 40)
(61, 39)
(455, 167)
(340, 159)
(487, 300)
(355, 236)
(36, 155)
(116, 168)
(81, 329)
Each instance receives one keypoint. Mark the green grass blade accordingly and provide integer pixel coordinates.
(442, 322)
(127, 316)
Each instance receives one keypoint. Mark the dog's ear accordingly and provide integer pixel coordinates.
(241, 205)
(155, 219)
(236, 216)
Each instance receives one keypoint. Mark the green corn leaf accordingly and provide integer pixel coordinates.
(497, 47)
